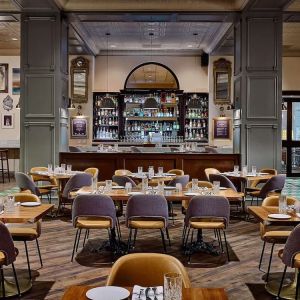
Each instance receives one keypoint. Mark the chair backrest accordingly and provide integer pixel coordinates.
(7, 245)
(103, 183)
(24, 182)
(292, 247)
(135, 149)
(37, 178)
(147, 206)
(76, 182)
(224, 181)
(274, 183)
(184, 179)
(122, 172)
(208, 207)
(94, 206)
(74, 149)
(209, 171)
(177, 172)
(269, 171)
(145, 269)
(210, 149)
(202, 184)
(93, 171)
(122, 180)
(274, 201)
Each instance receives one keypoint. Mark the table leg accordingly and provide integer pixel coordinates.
(288, 290)
(11, 290)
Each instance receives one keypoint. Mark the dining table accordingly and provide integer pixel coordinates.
(265, 215)
(79, 293)
(22, 214)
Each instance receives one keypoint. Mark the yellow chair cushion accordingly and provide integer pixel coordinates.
(296, 261)
(276, 236)
(207, 225)
(146, 224)
(23, 233)
(2, 258)
(92, 224)
(255, 193)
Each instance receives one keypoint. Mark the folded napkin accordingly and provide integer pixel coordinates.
(147, 293)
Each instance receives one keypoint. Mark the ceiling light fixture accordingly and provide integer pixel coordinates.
(113, 46)
(14, 39)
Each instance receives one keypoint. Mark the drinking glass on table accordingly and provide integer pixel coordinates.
(140, 170)
(10, 204)
(128, 187)
(244, 171)
(69, 169)
(63, 168)
(108, 186)
(216, 187)
(178, 187)
(116, 147)
(253, 170)
(236, 169)
(160, 188)
(151, 171)
(144, 184)
(195, 185)
(282, 207)
(160, 170)
(172, 286)
(50, 169)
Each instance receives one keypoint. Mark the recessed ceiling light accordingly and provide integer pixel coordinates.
(113, 46)
(149, 75)
(190, 46)
(14, 39)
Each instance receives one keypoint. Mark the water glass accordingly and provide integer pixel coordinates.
(151, 171)
(194, 185)
(56, 169)
(140, 170)
(178, 187)
(116, 147)
(160, 170)
(50, 169)
(216, 187)
(160, 188)
(63, 168)
(145, 184)
(244, 171)
(94, 185)
(108, 185)
(253, 170)
(69, 169)
(236, 169)
(282, 204)
(10, 204)
(172, 286)
(128, 187)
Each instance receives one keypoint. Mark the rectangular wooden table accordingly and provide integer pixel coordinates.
(24, 214)
(261, 213)
(122, 195)
(78, 293)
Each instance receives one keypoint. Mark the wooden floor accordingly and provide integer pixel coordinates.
(240, 277)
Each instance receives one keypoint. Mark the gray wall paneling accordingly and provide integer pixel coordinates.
(44, 92)
(257, 88)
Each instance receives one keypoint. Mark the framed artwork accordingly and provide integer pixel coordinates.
(79, 127)
(222, 128)
(7, 121)
(16, 81)
(3, 78)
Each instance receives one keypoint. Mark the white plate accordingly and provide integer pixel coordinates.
(222, 188)
(83, 193)
(279, 216)
(170, 188)
(263, 173)
(169, 174)
(135, 193)
(117, 187)
(30, 204)
(192, 194)
(107, 292)
(251, 175)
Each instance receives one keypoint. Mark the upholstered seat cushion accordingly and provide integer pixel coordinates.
(2, 258)
(296, 262)
(48, 187)
(276, 236)
(44, 191)
(93, 223)
(207, 225)
(146, 224)
(254, 193)
(23, 233)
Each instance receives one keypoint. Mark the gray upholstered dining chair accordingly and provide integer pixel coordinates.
(183, 179)
(122, 180)
(290, 256)
(94, 212)
(8, 254)
(224, 181)
(206, 212)
(147, 212)
(74, 183)
(74, 149)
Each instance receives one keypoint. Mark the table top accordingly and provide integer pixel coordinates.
(249, 176)
(262, 212)
(26, 214)
(78, 293)
(46, 174)
(171, 195)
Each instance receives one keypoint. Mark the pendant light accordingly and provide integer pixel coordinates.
(107, 102)
(150, 102)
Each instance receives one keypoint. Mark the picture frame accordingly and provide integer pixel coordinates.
(3, 78)
(16, 81)
(7, 121)
(222, 128)
(79, 127)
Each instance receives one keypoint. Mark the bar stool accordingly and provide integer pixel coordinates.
(4, 159)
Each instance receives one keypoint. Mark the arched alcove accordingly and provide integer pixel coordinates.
(151, 75)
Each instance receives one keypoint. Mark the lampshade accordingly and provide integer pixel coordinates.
(107, 103)
(194, 104)
(150, 103)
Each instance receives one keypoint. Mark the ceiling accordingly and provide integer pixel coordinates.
(149, 75)
(9, 38)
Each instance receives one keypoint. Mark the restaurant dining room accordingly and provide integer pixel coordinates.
(149, 150)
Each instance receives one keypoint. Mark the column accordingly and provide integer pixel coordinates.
(257, 89)
(44, 88)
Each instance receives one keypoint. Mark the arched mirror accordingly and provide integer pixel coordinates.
(151, 76)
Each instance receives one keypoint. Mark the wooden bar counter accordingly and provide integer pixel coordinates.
(193, 164)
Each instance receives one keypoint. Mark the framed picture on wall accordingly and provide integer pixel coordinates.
(222, 128)
(79, 127)
(7, 121)
(16, 81)
(3, 78)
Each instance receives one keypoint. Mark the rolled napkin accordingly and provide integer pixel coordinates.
(147, 293)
